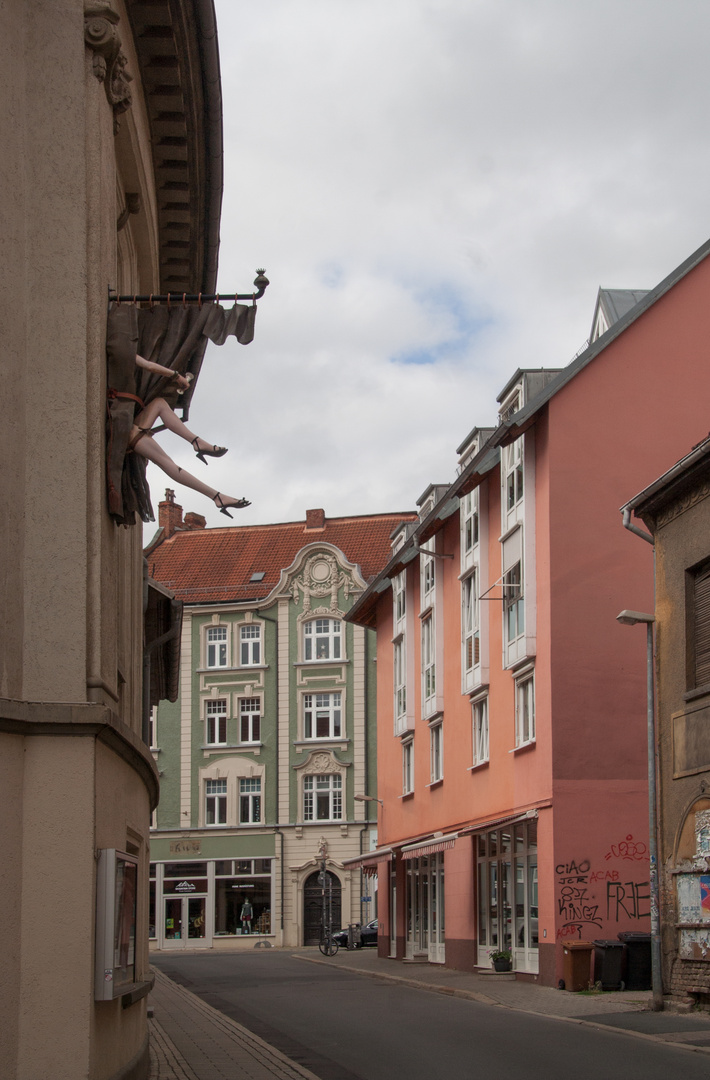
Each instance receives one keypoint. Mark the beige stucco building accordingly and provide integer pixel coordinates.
(111, 178)
(676, 510)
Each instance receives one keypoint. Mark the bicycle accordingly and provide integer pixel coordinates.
(328, 945)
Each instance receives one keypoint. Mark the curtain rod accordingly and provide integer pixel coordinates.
(261, 282)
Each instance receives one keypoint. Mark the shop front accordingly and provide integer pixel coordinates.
(202, 902)
(507, 890)
(425, 899)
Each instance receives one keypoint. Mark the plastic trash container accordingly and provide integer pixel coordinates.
(610, 963)
(577, 964)
(638, 962)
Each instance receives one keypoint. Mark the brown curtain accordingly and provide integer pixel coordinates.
(175, 337)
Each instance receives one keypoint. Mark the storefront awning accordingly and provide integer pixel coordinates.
(370, 862)
(429, 847)
(496, 823)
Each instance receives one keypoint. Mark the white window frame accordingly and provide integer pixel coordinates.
(153, 728)
(217, 646)
(399, 602)
(399, 674)
(525, 709)
(250, 803)
(513, 475)
(331, 636)
(407, 766)
(215, 803)
(470, 627)
(427, 570)
(436, 752)
(216, 722)
(428, 631)
(250, 711)
(513, 604)
(470, 527)
(480, 730)
(323, 706)
(323, 789)
(250, 652)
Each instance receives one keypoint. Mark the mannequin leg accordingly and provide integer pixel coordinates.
(148, 448)
(158, 409)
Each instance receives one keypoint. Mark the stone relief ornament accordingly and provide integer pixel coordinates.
(321, 577)
(101, 36)
(322, 763)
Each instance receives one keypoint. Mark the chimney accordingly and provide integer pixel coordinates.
(169, 514)
(195, 521)
(315, 519)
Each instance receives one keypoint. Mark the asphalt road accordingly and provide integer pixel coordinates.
(349, 1027)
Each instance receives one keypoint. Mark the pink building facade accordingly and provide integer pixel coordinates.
(511, 704)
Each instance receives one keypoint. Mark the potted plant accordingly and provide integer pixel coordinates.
(502, 960)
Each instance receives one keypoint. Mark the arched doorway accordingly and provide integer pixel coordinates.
(313, 906)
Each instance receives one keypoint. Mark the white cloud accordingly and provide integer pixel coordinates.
(450, 180)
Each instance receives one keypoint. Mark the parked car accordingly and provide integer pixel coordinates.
(368, 935)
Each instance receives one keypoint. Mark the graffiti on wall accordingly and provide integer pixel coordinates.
(588, 896)
(628, 849)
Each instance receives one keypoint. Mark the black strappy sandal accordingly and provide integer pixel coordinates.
(236, 504)
(216, 451)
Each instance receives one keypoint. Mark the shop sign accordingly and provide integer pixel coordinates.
(185, 886)
(185, 847)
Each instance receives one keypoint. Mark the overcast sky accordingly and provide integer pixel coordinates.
(437, 188)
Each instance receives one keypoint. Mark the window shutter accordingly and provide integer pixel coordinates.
(702, 627)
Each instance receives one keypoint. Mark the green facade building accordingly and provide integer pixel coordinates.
(273, 733)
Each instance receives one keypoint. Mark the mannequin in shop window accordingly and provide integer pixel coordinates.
(246, 916)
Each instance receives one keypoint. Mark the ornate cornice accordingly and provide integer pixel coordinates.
(685, 502)
(321, 763)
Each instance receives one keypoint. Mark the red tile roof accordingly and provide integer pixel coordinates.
(215, 565)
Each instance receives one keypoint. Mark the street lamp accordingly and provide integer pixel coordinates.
(368, 798)
(632, 618)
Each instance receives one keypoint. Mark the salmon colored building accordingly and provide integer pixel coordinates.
(512, 761)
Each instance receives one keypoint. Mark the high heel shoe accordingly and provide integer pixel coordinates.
(236, 504)
(216, 451)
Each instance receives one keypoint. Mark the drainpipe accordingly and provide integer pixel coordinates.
(277, 827)
(635, 529)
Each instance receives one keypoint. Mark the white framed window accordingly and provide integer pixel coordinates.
(407, 766)
(471, 638)
(250, 801)
(479, 717)
(215, 802)
(153, 728)
(436, 752)
(513, 604)
(323, 798)
(216, 721)
(427, 569)
(250, 644)
(512, 460)
(469, 525)
(217, 647)
(399, 601)
(249, 720)
(400, 685)
(322, 639)
(322, 716)
(525, 709)
(428, 665)
(514, 613)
